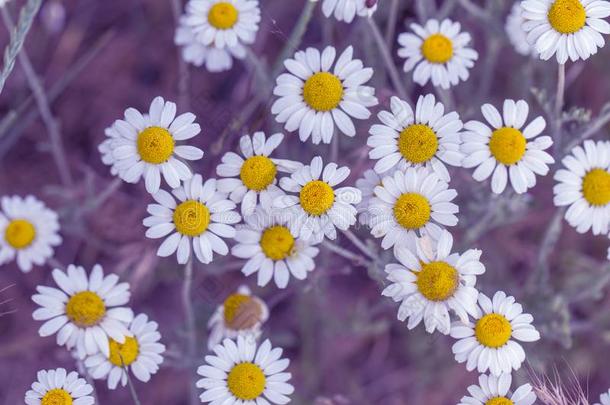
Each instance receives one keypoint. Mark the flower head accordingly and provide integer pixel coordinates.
(58, 387)
(494, 390)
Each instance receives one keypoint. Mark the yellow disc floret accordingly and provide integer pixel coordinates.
(437, 48)
(437, 281)
(499, 401)
(258, 172)
(191, 218)
(418, 143)
(317, 197)
(57, 396)
(507, 145)
(493, 330)
(246, 381)
(123, 354)
(19, 233)
(412, 210)
(277, 242)
(567, 16)
(85, 309)
(323, 91)
(596, 187)
(155, 145)
(223, 15)
(241, 311)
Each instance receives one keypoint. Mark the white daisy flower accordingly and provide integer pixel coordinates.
(241, 373)
(427, 137)
(494, 390)
(147, 145)
(604, 399)
(430, 281)
(200, 217)
(346, 10)
(490, 342)
(223, 23)
(256, 170)
(566, 28)
(29, 231)
(86, 311)
(140, 354)
(273, 249)
(505, 149)
(410, 204)
(241, 314)
(321, 206)
(515, 32)
(584, 185)
(313, 99)
(438, 52)
(58, 387)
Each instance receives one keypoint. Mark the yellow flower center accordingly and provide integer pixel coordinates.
(123, 354)
(246, 381)
(412, 210)
(437, 48)
(155, 145)
(499, 401)
(57, 396)
(241, 311)
(437, 281)
(567, 16)
(191, 218)
(223, 16)
(507, 145)
(596, 187)
(493, 330)
(258, 172)
(323, 91)
(85, 309)
(418, 143)
(20, 233)
(317, 197)
(277, 242)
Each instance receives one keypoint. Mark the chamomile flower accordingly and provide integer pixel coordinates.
(58, 387)
(314, 99)
(346, 10)
(604, 398)
(584, 185)
(86, 311)
(200, 217)
(140, 354)
(223, 23)
(320, 206)
(252, 178)
(241, 314)
(427, 137)
(147, 145)
(515, 32)
(29, 231)
(242, 373)
(566, 28)
(438, 51)
(494, 390)
(430, 280)
(490, 342)
(507, 150)
(410, 204)
(273, 248)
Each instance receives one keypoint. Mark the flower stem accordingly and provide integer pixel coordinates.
(559, 102)
(132, 389)
(189, 315)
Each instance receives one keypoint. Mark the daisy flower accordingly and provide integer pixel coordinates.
(490, 342)
(240, 314)
(346, 10)
(427, 137)
(320, 206)
(584, 185)
(200, 217)
(493, 390)
(507, 150)
(140, 354)
(437, 51)
(241, 373)
(410, 203)
(566, 28)
(147, 145)
(223, 23)
(28, 232)
(58, 387)
(604, 399)
(85, 311)
(515, 33)
(252, 178)
(430, 281)
(314, 99)
(273, 249)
